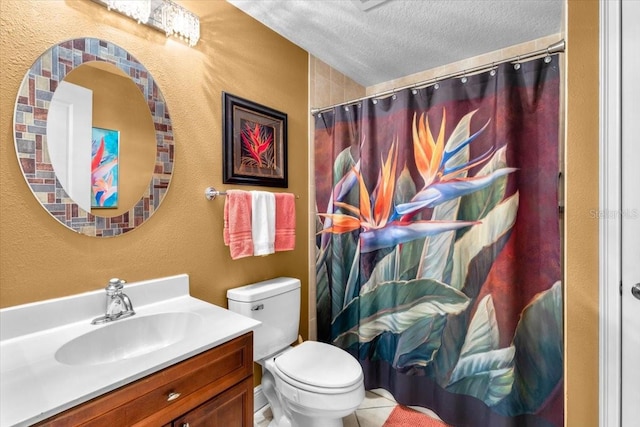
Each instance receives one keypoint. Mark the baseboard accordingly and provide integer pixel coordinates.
(259, 399)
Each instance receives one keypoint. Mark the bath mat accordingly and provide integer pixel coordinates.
(401, 416)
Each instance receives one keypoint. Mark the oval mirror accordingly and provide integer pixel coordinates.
(93, 137)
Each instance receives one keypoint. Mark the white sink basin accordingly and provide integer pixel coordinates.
(127, 338)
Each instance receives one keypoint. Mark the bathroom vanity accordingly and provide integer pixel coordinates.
(215, 386)
(178, 361)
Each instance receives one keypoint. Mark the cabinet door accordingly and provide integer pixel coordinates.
(233, 408)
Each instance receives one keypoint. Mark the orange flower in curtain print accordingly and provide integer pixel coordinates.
(441, 167)
(384, 225)
(375, 216)
(257, 145)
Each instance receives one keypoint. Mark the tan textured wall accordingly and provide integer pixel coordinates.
(41, 259)
(581, 232)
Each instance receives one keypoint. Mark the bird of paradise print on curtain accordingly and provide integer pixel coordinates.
(417, 260)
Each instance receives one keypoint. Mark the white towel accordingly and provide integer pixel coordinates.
(263, 222)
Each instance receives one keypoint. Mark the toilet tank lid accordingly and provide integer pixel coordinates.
(264, 289)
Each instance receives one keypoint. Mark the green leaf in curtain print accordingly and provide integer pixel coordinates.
(539, 353)
(405, 188)
(388, 268)
(323, 296)
(481, 265)
(477, 205)
(436, 250)
(491, 236)
(343, 249)
(488, 384)
(483, 333)
(495, 224)
(383, 272)
(483, 370)
(352, 287)
(460, 134)
(410, 251)
(419, 343)
(342, 165)
(394, 307)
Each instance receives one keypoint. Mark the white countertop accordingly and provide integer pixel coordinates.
(35, 386)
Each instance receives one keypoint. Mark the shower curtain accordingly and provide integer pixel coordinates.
(438, 244)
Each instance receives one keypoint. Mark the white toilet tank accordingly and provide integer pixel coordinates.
(275, 303)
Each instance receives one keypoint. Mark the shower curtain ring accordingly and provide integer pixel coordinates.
(493, 69)
(547, 58)
(464, 78)
(517, 64)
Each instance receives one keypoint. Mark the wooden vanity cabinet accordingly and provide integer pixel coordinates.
(214, 388)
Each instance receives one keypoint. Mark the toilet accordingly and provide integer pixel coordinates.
(311, 384)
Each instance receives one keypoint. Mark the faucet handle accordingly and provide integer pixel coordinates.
(115, 285)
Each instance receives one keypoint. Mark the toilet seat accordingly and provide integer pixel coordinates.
(333, 369)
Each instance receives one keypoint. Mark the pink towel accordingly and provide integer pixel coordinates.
(285, 222)
(237, 223)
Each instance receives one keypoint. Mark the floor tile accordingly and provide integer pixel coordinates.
(262, 417)
(384, 393)
(373, 412)
(372, 399)
(351, 421)
(373, 417)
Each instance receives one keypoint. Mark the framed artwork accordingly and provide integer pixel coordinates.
(254, 143)
(105, 156)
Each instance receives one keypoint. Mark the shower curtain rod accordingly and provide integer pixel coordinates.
(554, 48)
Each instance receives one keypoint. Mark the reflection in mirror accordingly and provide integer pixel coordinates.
(68, 132)
(73, 93)
(120, 108)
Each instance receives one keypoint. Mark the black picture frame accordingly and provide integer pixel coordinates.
(254, 147)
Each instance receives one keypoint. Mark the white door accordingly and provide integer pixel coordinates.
(69, 140)
(630, 214)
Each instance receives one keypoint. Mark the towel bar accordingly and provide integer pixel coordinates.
(211, 193)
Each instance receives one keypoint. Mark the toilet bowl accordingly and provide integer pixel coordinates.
(317, 384)
(311, 384)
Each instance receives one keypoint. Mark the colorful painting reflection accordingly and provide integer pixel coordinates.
(105, 151)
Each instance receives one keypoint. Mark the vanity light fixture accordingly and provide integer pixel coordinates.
(178, 21)
(163, 15)
(140, 10)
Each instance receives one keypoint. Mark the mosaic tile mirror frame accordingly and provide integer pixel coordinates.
(30, 126)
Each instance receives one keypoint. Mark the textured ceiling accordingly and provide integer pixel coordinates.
(374, 41)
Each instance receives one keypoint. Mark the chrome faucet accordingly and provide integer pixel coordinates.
(118, 304)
